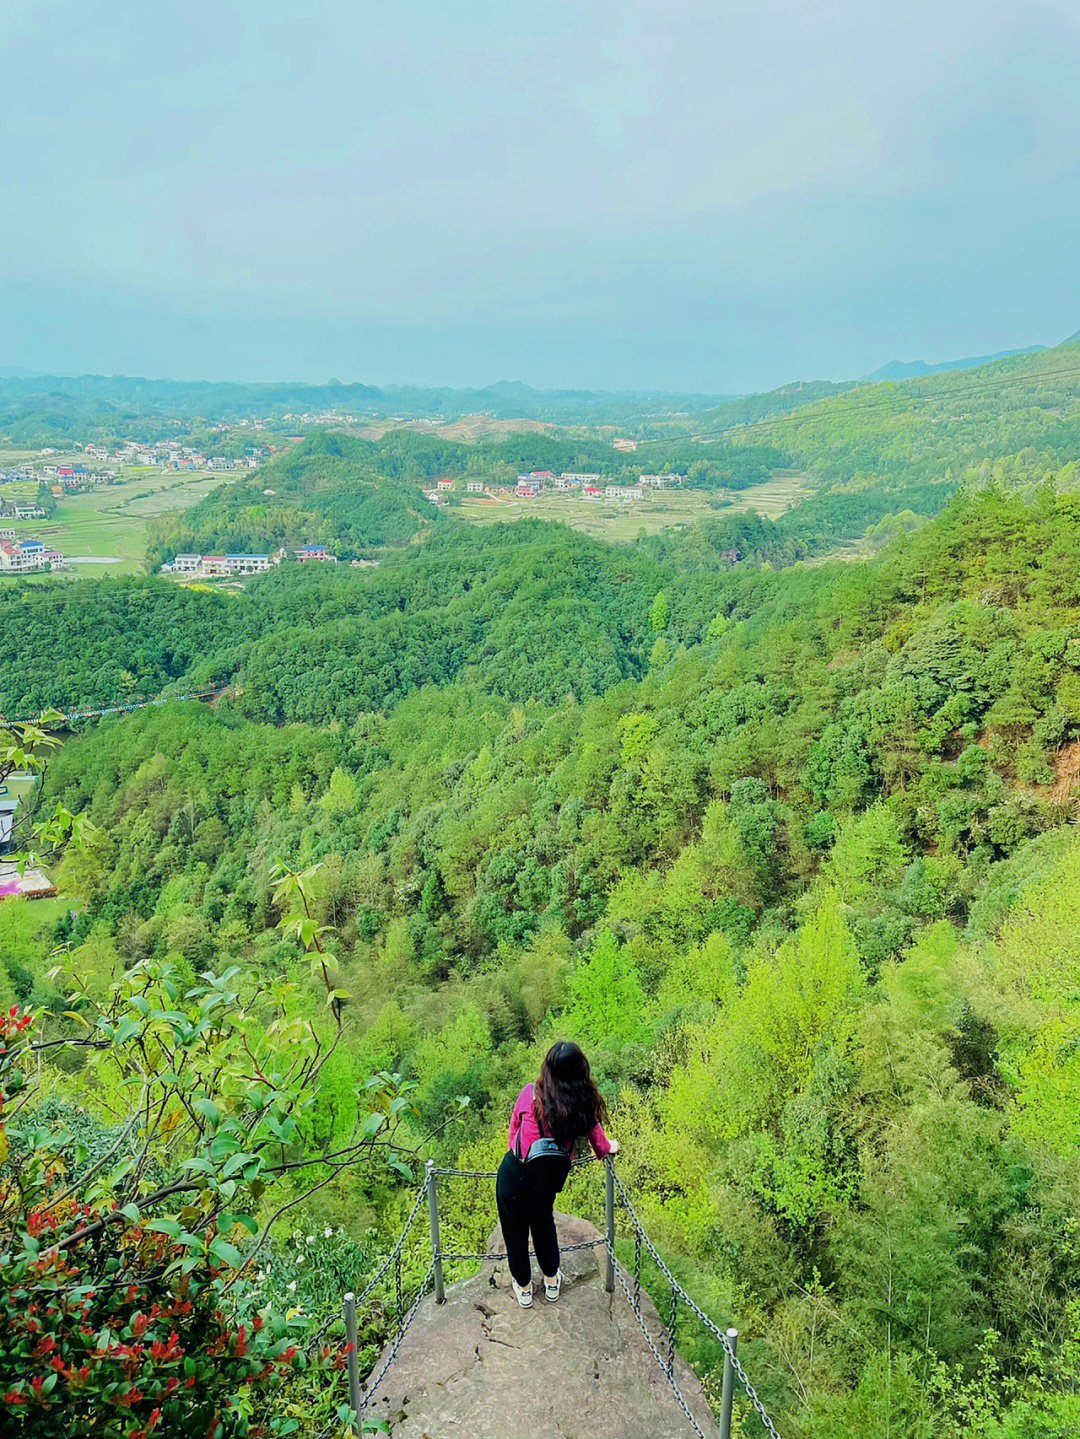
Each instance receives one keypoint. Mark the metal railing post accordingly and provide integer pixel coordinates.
(609, 1223)
(433, 1215)
(352, 1361)
(728, 1384)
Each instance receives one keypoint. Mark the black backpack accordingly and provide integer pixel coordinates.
(542, 1148)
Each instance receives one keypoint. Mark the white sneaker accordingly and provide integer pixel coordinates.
(523, 1294)
(552, 1287)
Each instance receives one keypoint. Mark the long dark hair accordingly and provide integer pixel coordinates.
(566, 1101)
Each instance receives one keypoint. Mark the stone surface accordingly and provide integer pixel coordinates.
(479, 1365)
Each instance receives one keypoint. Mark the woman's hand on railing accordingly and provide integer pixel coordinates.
(614, 1146)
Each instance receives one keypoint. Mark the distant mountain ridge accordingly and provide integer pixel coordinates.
(914, 369)
(98, 397)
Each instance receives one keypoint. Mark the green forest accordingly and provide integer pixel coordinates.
(788, 845)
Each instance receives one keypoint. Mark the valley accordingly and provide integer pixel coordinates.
(762, 788)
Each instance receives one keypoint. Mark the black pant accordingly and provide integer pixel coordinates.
(525, 1194)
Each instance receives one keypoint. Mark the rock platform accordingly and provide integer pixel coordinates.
(480, 1365)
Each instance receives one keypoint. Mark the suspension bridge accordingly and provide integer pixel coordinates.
(622, 1222)
(71, 716)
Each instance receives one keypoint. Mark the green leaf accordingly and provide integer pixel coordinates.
(168, 1227)
(226, 1252)
(371, 1125)
(208, 1109)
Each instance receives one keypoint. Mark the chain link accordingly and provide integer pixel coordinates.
(373, 1383)
(636, 1309)
(582, 1163)
(395, 1253)
(323, 1330)
(633, 1295)
(671, 1331)
(497, 1254)
(637, 1273)
(740, 1372)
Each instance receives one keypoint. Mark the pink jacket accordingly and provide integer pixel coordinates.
(524, 1119)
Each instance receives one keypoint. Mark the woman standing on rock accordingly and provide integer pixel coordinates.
(550, 1116)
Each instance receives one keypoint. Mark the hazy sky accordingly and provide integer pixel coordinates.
(692, 194)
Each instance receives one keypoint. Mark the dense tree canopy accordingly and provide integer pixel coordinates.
(786, 844)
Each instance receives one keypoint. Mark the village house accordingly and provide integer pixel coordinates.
(592, 492)
(623, 492)
(218, 566)
(444, 485)
(13, 510)
(314, 552)
(247, 564)
(8, 805)
(20, 557)
(30, 884)
(12, 789)
(475, 487)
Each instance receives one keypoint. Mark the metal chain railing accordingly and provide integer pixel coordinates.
(635, 1306)
(361, 1396)
(578, 1164)
(374, 1380)
(496, 1254)
(730, 1354)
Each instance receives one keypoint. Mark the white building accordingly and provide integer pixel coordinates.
(623, 492)
(658, 482)
(247, 564)
(22, 557)
(215, 566)
(475, 487)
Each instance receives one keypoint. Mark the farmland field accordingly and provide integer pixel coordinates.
(105, 527)
(658, 510)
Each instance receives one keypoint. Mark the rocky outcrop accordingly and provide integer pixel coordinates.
(480, 1366)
